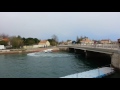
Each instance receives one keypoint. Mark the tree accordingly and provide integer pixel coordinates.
(77, 39)
(73, 42)
(68, 40)
(4, 35)
(3, 43)
(19, 36)
(55, 38)
(36, 40)
(85, 37)
(52, 42)
(80, 39)
(16, 42)
(30, 41)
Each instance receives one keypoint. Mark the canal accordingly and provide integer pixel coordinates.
(46, 65)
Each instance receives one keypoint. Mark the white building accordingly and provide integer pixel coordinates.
(2, 47)
(69, 41)
(86, 41)
(44, 43)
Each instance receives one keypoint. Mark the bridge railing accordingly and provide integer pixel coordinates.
(104, 46)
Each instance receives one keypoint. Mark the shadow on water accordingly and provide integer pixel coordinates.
(93, 62)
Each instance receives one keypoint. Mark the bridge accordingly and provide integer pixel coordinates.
(100, 51)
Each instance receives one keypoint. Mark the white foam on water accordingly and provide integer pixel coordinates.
(43, 54)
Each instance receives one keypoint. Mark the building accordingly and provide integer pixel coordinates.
(65, 43)
(114, 42)
(5, 40)
(105, 41)
(61, 43)
(96, 41)
(0, 39)
(44, 43)
(69, 41)
(2, 47)
(86, 41)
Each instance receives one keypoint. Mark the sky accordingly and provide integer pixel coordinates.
(65, 25)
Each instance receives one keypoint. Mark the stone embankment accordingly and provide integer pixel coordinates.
(17, 51)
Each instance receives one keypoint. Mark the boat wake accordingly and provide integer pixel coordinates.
(43, 54)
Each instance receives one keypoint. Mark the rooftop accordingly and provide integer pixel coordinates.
(43, 41)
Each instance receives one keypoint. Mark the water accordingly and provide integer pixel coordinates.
(44, 65)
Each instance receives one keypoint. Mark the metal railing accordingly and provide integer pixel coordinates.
(104, 46)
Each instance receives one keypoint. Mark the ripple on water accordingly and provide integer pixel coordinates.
(43, 65)
(42, 54)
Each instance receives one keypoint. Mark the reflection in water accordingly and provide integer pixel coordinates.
(94, 63)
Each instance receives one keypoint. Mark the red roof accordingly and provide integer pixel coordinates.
(5, 39)
(44, 41)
